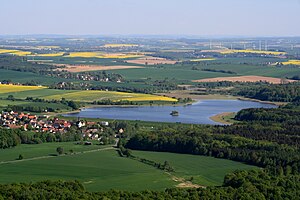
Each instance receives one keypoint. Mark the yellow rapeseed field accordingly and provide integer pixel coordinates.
(17, 88)
(21, 53)
(95, 54)
(291, 62)
(150, 98)
(7, 51)
(93, 95)
(85, 54)
(202, 59)
(15, 52)
(229, 51)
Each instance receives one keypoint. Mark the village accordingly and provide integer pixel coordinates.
(90, 130)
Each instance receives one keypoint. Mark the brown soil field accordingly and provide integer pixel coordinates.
(244, 79)
(151, 61)
(85, 68)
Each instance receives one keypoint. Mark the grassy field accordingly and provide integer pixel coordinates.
(205, 170)
(224, 118)
(101, 168)
(21, 92)
(181, 74)
(23, 77)
(37, 150)
(98, 170)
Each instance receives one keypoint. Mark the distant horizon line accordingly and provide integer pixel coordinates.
(174, 36)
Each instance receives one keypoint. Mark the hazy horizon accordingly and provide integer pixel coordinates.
(215, 18)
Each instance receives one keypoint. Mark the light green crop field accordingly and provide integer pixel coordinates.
(204, 170)
(170, 73)
(46, 149)
(101, 168)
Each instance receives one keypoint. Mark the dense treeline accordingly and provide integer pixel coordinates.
(13, 137)
(255, 184)
(280, 133)
(238, 85)
(282, 92)
(216, 70)
(288, 116)
(198, 141)
(110, 102)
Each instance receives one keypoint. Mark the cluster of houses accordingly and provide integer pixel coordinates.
(27, 121)
(88, 77)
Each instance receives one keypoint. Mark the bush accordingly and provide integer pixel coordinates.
(20, 157)
(60, 150)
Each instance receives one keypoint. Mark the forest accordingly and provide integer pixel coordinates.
(271, 92)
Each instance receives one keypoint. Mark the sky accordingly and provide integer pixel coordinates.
(151, 17)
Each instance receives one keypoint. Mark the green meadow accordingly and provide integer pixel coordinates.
(101, 168)
(205, 170)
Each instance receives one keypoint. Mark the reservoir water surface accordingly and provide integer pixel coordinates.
(196, 113)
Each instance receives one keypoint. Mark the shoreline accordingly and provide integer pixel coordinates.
(260, 101)
(228, 97)
(115, 106)
(221, 118)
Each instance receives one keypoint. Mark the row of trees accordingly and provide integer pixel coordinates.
(13, 137)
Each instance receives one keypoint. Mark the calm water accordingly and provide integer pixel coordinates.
(197, 113)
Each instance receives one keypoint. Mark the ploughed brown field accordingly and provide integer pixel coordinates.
(151, 61)
(85, 68)
(245, 79)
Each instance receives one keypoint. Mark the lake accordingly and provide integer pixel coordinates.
(197, 113)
